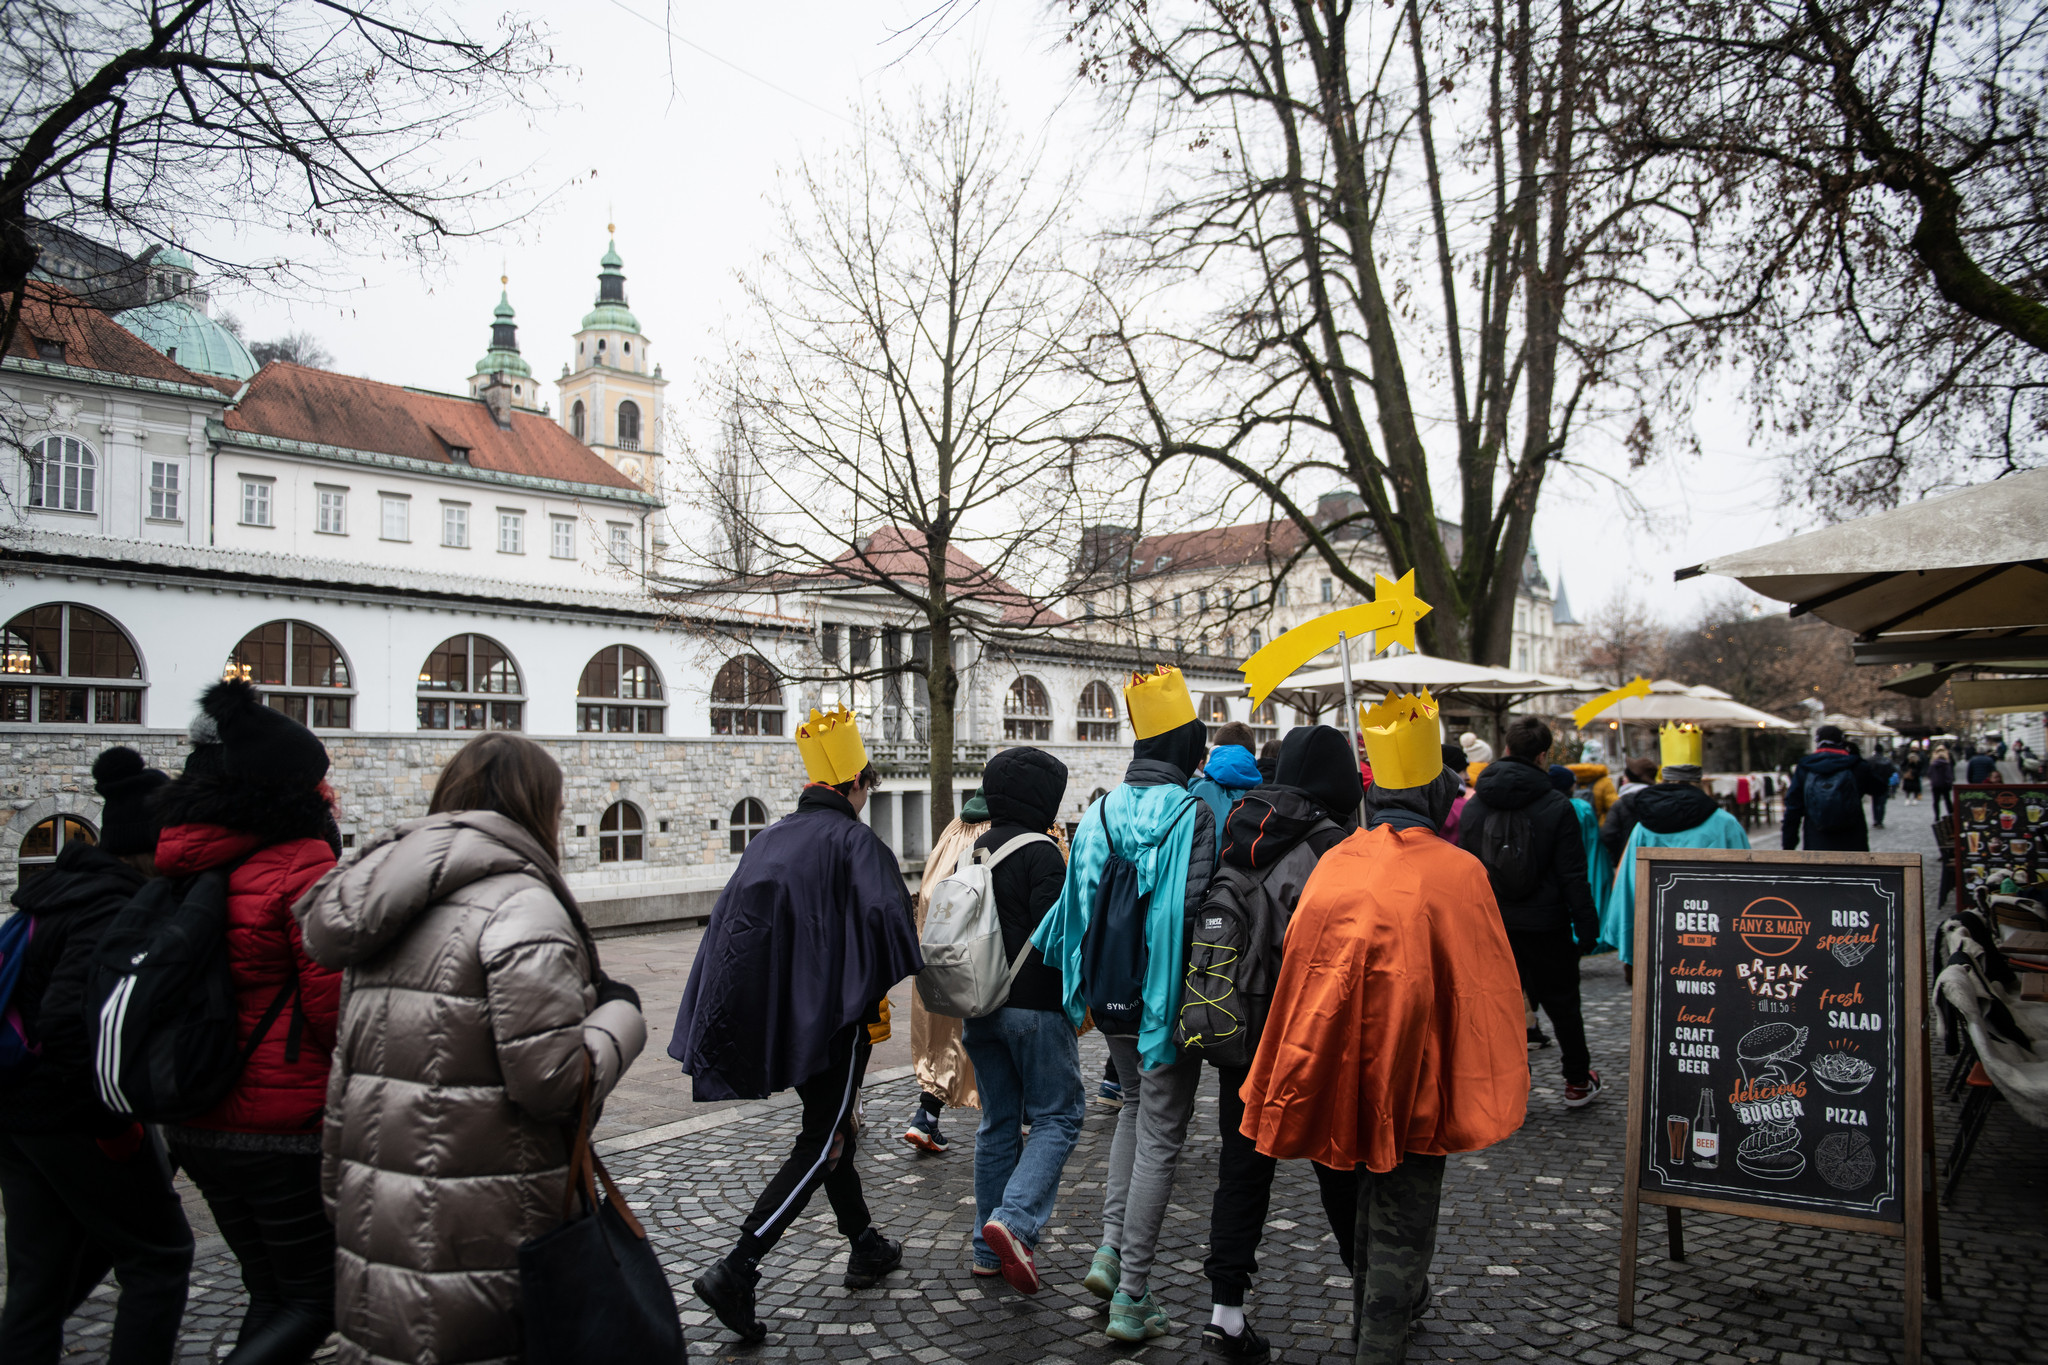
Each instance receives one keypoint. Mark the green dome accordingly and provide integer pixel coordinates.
(503, 357)
(189, 337)
(615, 316)
(611, 312)
(170, 258)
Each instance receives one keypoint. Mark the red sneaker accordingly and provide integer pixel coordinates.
(1579, 1096)
(1019, 1269)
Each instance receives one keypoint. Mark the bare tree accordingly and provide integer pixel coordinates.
(1878, 264)
(902, 406)
(296, 348)
(1413, 229)
(1620, 640)
(138, 121)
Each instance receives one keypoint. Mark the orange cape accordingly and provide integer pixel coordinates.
(1397, 1022)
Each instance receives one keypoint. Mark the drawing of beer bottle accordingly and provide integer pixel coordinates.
(1706, 1133)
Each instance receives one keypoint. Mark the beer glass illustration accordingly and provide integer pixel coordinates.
(1677, 1127)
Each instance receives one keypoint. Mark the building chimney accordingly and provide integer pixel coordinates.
(497, 397)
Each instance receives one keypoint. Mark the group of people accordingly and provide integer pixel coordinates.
(1367, 1018)
(417, 1031)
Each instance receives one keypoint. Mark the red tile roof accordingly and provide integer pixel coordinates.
(1222, 547)
(300, 404)
(91, 340)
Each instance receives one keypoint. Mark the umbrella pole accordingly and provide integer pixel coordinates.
(1350, 701)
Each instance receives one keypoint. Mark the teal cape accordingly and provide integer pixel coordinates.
(1599, 872)
(1618, 919)
(1144, 818)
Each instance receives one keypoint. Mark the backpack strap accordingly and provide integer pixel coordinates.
(990, 859)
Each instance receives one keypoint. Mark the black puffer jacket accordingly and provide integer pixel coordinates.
(1561, 897)
(1673, 807)
(72, 902)
(1802, 830)
(1024, 788)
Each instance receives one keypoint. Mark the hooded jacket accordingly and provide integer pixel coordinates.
(812, 930)
(72, 901)
(1562, 896)
(1397, 1023)
(470, 1007)
(1228, 774)
(1171, 836)
(1800, 831)
(1674, 815)
(1024, 788)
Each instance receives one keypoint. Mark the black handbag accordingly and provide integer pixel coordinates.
(592, 1292)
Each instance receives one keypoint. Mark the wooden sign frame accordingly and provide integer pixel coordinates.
(1921, 1225)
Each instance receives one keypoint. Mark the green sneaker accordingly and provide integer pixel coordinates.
(1104, 1272)
(1136, 1319)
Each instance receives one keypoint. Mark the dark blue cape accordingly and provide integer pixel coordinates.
(814, 928)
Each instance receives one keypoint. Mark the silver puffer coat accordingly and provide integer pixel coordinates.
(468, 1007)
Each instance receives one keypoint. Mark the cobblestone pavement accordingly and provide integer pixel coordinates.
(1525, 1265)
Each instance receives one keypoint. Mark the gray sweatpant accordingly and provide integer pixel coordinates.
(1143, 1156)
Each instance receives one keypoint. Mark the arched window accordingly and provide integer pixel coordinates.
(469, 682)
(621, 833)
(577, 420)
(619, 673)
(746, 699)
(1027, 711)
(61, 474)
(41, 845)
(1265, 721)
(1098, 714)
(301, 671)
(629, 425)
(749, 818)
(1214, 711)
(68, 665)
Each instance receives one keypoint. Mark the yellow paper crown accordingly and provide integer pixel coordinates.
(1404, 741)
(1158, 703)
(831, 746)
(1682, 743)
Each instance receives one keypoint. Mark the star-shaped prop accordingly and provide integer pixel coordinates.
(1393, 612)
(1638, 687)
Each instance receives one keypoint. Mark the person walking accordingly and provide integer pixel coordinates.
(1941, 782)
(1620, 820)
(1909, 776)
(1276, 836)
(945, 1073)
(253, 799)
(86, 1191)
(1024, 1053)
(1599, 787)
(1392, 1041)
(790, 991)
(1983, 766)
(1526, 835)
(1676, 813)
(1884, 776)
(476, 1015)
(1229, 772)
(1167, 835)
(1824, 798)
(1599, 871)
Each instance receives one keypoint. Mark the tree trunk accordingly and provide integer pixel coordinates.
(944, 686)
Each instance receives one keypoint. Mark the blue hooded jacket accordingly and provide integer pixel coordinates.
(1230, 772)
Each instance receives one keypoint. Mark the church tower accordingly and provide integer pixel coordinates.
(502, 364)
(612, 393)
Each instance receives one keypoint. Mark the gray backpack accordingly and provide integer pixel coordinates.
(967, 972)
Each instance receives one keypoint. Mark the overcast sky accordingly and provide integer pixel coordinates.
(678, 142)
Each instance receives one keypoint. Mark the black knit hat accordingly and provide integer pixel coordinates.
(125, 784)
(259, 746)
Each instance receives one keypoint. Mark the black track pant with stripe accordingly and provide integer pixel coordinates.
(828, 1099)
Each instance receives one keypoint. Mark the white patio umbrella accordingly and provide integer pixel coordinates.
(1859, 725)
(1707, 707)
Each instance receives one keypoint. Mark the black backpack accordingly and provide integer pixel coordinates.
(1507, 849)
(1834, 801)
(1113, 953)
(161, 1003)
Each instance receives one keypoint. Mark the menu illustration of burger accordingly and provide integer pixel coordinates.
(1775, 1034)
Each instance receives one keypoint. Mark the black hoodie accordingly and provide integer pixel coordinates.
(1674, 807)
(1562, 897)
(72, 902)
(1023, 788)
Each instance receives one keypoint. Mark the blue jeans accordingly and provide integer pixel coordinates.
(1027, 1065)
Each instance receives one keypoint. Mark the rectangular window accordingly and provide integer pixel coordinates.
(1255, 597)
(511, 533)
(1329, 589)
(163, 490)
(1257, 641)
(397, 518)
(1280, 594)
(622, 543)
(255, 502)
(828, 641)
(1176, 604)
(333, 512)
(455, 525)
(562, 537)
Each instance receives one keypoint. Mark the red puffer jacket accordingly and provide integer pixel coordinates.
(275, 1094)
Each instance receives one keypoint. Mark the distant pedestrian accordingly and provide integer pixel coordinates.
(1599, 871)
(475, 1011)
(1941, 781)
(1392, 1038)
(1478, 753)
(1025, 1053)
(253, 799)
(1526, 835)
(1824, 798)
(1269, 760)
(1983, 766)
(945, 1073)
(1228, 773)
(1884, 777)
(86, 1191)
(1676, 813)
(790, 991)
(1454, 761)
(1598, 786)
(1620, 820)
(1909, 776)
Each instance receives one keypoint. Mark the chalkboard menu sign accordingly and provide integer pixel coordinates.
(1779, 1060)
(1999, 830)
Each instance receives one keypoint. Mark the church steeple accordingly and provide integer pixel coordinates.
(611, 312)
(611, 393)
(502, 362)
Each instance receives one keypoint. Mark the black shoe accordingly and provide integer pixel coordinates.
(1246, 1345)
(870, 1259)
(728, 1290)
(1538, 1038)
